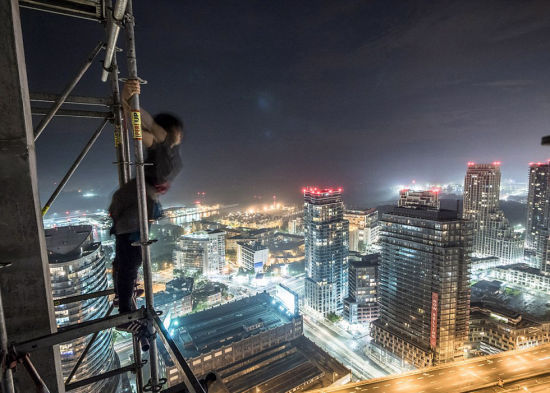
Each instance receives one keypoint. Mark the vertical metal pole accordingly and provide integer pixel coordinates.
(142, 197)
(6, 382)
(138, 361)
(120, 133)
(57, 104)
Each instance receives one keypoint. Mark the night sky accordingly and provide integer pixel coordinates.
(281, 94)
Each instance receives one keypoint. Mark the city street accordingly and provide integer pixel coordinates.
(479, 375)
(344, 349)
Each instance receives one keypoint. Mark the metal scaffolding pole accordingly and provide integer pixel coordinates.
(142, 196)
(75, 165)
(86, 350)
(113, 29)
(121, 134)
(61, 99)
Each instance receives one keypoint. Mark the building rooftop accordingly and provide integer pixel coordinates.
(68, 243)
(180, 284)
(253, 246)
(293, 366)
(502, 314)
(207, 330)
(426, 213)
(369, 260)
(522, 267)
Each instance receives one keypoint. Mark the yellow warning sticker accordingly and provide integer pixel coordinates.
(136, 123)
(117, 136)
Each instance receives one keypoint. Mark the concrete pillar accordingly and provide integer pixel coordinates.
(25, 285)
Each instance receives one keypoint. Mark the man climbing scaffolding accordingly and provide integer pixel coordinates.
(162, 136)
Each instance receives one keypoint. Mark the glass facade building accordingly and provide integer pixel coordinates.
(424, 290)
(538, 203)
(326, 250)
(493, 234)
(77, 267)
(361, 306)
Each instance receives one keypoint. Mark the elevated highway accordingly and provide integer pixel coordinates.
(524, 370)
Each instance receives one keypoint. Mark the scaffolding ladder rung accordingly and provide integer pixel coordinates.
(79, 330)
(99, 377)
(79, 298)
(79, 100)
(179, 388)
(39, 111)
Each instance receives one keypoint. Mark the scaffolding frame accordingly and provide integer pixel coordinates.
(115, 19)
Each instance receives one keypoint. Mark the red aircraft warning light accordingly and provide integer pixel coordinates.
(496, 163)
(471, 163)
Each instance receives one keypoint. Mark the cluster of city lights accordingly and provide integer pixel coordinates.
(317, 191)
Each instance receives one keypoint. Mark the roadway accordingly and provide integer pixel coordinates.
(518, 370)
(344, 349)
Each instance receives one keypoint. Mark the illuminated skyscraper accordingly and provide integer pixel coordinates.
(326, 246)
(361, 306)
(363, 229)
(424, 290)
(493, 235)
(201, 252)
(77, 267)
(538, 201)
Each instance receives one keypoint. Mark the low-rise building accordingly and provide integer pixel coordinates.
(252, 256)
(494, 329)
(254, 344)
(521, 274)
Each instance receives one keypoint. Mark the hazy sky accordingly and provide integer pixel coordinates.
(281, 94)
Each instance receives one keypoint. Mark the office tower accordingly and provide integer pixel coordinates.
(363, 229)
(326, 249)
(252, 256)
(538, 201)
(361, 305)
(493, 235)
(201, 252)
(412, 198)
(216, 251)
(77, 267)
(424, 290)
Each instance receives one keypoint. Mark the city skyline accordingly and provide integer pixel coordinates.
(420, 237)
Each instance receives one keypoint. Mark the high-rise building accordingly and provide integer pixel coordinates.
(326, 249)
(538, 203)
(412, 198)
(252, 256)
(424, 290)
(361, 305)
(202, 252)
(493, 235)
(363, 229)
(77, 267)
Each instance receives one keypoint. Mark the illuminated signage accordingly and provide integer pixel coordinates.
(288, 298)
(433, 330)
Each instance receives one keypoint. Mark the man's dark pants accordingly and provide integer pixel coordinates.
(125, 272)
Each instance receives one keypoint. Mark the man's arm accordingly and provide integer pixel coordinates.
(152, 132)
